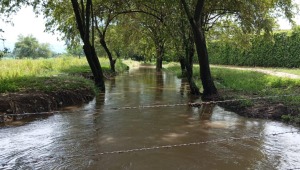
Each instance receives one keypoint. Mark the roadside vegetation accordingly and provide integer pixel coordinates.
(239, 84)
(280, 49)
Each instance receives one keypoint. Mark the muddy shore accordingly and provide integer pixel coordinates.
(37, 102)
(262, 109)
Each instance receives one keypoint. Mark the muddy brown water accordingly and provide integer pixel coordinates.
(75, 139)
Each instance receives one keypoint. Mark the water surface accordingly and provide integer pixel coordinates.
(77, 139)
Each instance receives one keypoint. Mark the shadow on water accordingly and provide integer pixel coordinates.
(76, 139)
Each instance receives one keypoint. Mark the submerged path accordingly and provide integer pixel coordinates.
(261, 70)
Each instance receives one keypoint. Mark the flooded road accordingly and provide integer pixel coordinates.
(186, 138)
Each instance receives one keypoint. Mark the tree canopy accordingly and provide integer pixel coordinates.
(29, 47)
(167, 30)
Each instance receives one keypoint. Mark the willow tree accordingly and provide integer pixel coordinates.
(252, 16)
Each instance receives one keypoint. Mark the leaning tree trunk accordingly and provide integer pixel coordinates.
(209, 88)
(83, 17)
(95, 66)
(112, 62)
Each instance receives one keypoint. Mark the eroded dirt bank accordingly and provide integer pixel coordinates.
(35, 102)
(261, 108)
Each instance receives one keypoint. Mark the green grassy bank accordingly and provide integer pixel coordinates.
(237, 84)
(47, 74)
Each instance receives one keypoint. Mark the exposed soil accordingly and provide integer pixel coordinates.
(265, 109)
(262, 108)
(36, 102)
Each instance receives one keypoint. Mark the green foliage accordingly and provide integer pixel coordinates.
(291, 119)
(282, 51)
(29, 47)
(2, 53)
(76, 50)
(120, 66)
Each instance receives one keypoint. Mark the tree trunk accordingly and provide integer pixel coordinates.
(209, 89)
(159, 57)
(95, 66)
(190, 51)
(83, 25)
(182, 66)
(112, 62)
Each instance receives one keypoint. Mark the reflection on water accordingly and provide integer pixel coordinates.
(73, 140)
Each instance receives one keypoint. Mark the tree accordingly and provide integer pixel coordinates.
(28, 46)
(251, 16)
(5, 50)
(75, 50)
(153, 20)
(105, 12)
(209, 88)
(84, 14)
(76, 21)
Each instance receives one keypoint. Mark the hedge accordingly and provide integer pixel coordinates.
(282, 51)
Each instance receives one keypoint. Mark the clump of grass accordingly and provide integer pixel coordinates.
(291, 119)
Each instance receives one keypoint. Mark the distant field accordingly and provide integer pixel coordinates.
(44, 67)
(44, 74)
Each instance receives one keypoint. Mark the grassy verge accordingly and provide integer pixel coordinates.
(248, 84)
(47, 74)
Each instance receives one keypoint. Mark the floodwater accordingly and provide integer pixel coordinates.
(86, 137)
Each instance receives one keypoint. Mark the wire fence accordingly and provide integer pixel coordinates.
(172, 146)
(190, 144)
(195, 104)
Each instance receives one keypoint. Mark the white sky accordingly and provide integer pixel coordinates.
(26, 23)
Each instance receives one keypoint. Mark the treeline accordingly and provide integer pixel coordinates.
(282, 49)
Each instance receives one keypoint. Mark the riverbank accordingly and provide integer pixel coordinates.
(46, 85)
(262, 95)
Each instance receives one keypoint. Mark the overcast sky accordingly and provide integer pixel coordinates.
(26, 23)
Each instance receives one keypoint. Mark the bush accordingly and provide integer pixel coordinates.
(282, 51)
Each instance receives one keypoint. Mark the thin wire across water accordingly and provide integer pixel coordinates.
(197, 104)
(187, 144)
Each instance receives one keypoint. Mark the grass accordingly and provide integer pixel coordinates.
(253, 82)
(240, 84)
(249, 82)
(47, 74)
